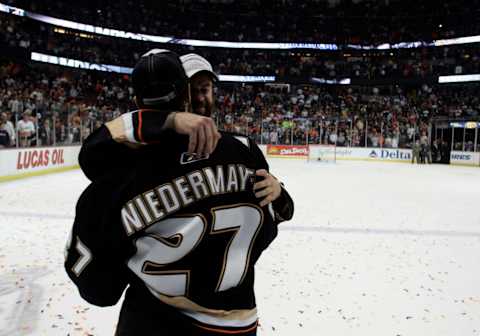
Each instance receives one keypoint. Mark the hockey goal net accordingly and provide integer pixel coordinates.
(322, 153)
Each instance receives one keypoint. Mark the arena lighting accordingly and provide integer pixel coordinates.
(404, 45)
(162, 39)
(73, 63)
(11, 10)
(97, 30)
(344, 81)
(459, 40)
(459, 78)
(226, 44)
(467, 124)
(255, 45)
(246, 79)
(357, 46)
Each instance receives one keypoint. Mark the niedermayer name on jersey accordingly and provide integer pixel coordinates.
(163, 200)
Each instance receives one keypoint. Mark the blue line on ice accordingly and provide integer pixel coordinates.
(290, 227)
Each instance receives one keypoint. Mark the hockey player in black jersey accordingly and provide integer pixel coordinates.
(182, 231)
(110, 147)
(101, 151)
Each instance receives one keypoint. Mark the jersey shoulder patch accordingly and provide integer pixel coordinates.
(243, 140)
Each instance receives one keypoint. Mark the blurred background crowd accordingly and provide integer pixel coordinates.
(396, 102)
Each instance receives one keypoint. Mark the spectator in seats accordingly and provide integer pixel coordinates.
(424, 138)
(395, 138)
(4, 117)
(341, 139)
(273, 137)
(445, 152)
(26, 129)
(45, 133)
(333, 138)
(411, 132)
(423, 153)
(469, 146)
(60, 132)
(4, 136)
(388, 141)
(428, 152)
(374, 138)
(435, 152)
(75, 136)
(16, 105)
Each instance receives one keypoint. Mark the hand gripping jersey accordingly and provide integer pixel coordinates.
(180, 230)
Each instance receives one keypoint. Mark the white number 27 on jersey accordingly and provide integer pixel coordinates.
(172, 239)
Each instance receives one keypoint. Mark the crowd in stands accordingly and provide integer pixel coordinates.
(29, 35)
(355, 116)
(344, 22)
(46, 105)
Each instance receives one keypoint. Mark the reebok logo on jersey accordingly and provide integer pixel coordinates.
(187, 158)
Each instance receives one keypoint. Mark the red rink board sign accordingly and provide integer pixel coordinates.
(287, 151)
(40, 158)
(36, 160)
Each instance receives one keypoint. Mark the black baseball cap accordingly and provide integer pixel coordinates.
(159, 79)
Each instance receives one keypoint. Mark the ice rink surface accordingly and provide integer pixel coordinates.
(373, 249)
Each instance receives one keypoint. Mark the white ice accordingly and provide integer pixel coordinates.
(373, 249)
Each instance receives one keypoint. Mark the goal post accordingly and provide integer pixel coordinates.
(322, 153)
(327, 133)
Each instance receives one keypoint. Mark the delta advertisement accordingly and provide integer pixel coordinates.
(388, 154)
(374, 154)
(32, 161)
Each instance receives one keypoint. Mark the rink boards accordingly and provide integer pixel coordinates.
(365, 154)
(17, 163)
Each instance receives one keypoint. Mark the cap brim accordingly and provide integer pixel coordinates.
(214, 76)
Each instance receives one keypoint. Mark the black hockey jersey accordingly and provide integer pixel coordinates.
(181, 229)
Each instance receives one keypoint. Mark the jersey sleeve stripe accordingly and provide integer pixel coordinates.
(229, 332)
(217, 318)
(128, 126)
(140, 121)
